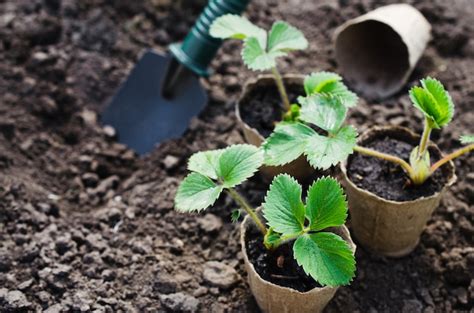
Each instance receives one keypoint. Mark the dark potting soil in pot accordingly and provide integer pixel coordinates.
(278, 267)
(388, 180)
(262, 107)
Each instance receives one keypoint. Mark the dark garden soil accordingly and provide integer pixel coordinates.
(388, 180)
(87, 225)
(261, 108)
(278, 266)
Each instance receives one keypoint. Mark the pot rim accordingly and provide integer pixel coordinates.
(367, 134)
(243, 230)
(251, 82)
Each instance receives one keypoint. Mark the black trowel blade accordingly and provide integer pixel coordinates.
(140, 114)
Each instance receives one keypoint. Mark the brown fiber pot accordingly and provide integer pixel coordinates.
(273, 298)
(299, 168)
(378, 51)
(390, 228)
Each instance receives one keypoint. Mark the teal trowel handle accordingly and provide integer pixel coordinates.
(199, 48)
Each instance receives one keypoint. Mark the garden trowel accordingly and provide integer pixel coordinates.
(163, 92)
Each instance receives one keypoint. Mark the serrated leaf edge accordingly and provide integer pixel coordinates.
(324, 178)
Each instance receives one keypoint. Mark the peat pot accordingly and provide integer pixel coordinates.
(391, 228)
(378, 51)
(299, 168)
(272, 298)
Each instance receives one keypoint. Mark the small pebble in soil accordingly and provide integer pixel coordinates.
(201, 291)
(180, 302)
(109, 131)
(26, 284)
(210, 223)
(170, 162)
(176, 246)
(220, 275)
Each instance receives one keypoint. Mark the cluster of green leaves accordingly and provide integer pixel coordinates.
(436, 104)
(212, 172)
(323, 255)
(433, 101)
(325, 106)
(260, 49)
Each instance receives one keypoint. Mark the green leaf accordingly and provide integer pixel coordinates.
(196, 192)
(286, 143)
(284, 37)
(293, 114)
(326, 257)
(324, 111)
(271, 238)
(256, 58)
(231, 166)
(317, 82)
(323, 152)
(326, 204)
(466, 139)
(347, 97)
(237, 27)
(434, 101)
(235, 216)
(329, 83)
(283, 208)
(239, 162)
(205, 163)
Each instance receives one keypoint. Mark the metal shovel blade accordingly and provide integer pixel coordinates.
(139, 112)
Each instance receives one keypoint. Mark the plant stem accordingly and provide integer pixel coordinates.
(451, 156)
(246, 206)
(425, 137)
(286, 238)
(408, 169)
(281, 89)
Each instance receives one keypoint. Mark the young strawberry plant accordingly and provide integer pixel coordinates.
(325, 108)
(327, 111)
(438, 108)
(261, 50)
(323, 255)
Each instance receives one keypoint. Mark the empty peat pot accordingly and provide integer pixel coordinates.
(377, 52)
(273, 298)
(257, 111)
(388, 227)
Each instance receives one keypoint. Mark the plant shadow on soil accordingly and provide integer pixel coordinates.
(87, 225)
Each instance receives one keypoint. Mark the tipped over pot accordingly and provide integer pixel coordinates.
(387, 226)
(376, 52)
(257, 111)
(273, 298)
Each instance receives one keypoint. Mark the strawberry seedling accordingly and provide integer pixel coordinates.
(325, 108)
(327, 111)
(323, 255)
(438, 109)
(261, 49)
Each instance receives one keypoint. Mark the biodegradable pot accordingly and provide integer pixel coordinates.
(272, 298)
(299, 168)
(390, 228)
(377, 52)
